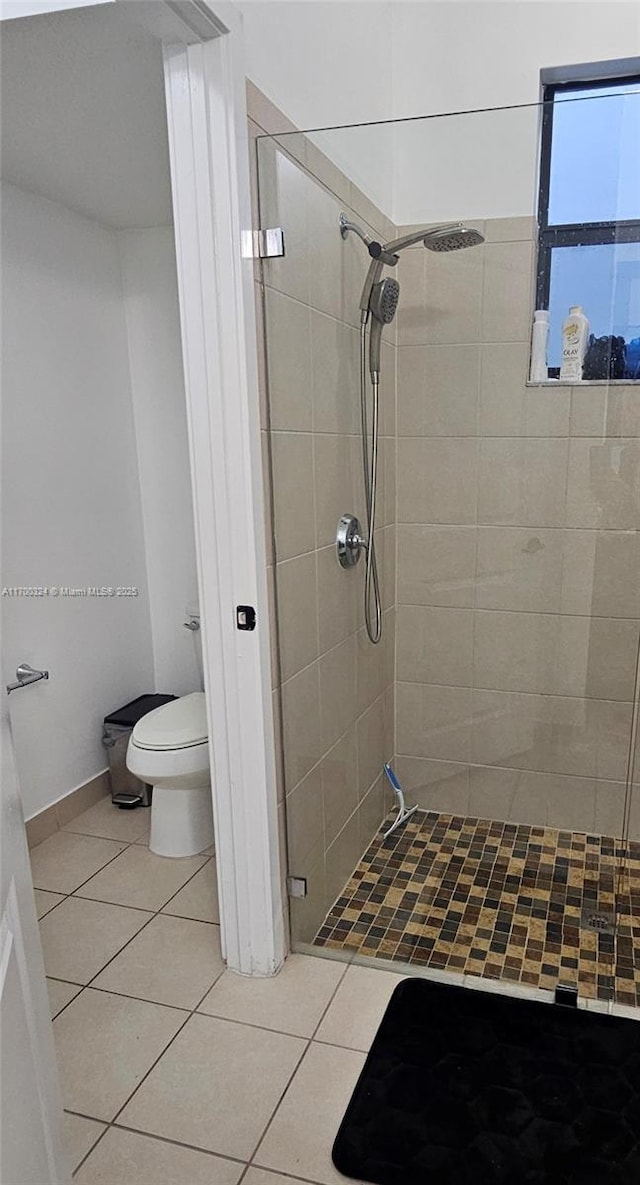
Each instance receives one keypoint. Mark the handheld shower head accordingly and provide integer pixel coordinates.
(384, 300)
(383, 303)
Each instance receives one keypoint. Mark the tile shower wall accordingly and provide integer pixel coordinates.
(518, 583)
(335, 688)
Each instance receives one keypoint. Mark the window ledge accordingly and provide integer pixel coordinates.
(585, 383)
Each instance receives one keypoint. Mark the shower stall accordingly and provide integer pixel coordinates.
(486, 644)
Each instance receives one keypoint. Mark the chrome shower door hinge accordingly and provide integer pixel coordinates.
(297, 886)
(264, 244)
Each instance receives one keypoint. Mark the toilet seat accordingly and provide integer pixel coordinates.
(180, 724)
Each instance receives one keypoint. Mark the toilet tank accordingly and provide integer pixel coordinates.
(192, 623)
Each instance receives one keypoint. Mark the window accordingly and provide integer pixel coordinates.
(589, 211)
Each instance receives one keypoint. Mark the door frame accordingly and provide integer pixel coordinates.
(208, 136)
(203, 54)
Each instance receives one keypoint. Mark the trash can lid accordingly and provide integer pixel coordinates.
(129, 715)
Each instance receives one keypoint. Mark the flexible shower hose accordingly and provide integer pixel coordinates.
(372, 620)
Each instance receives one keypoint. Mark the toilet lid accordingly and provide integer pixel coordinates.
(175, 725)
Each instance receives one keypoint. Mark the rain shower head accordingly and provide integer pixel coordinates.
(454, 238)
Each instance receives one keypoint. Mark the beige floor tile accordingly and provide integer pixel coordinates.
(140, 878)
(173, 961)
(263, 1177)
(291, 1002)
(46, 901)
(107, 820)
(354, 1016)
(301, 1134)
(79, 1135)
(80, 936)
(60, 994)
(105, 1046)
(64, 861)
(199, 898)
(124, 1157)
(217, 1086)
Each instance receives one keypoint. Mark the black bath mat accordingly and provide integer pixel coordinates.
(463, 1087)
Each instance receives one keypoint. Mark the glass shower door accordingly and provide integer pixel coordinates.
(508, 514)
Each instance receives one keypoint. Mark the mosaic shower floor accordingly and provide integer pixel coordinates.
(499, 900)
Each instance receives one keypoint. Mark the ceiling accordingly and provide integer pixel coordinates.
(83, 115)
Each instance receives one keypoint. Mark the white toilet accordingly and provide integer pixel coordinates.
(168, 748)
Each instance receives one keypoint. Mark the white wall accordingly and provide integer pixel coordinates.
(326, 64)
(155, 356)
(335, 63)
(71, 498)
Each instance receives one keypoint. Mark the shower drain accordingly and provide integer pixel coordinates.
(598, 919)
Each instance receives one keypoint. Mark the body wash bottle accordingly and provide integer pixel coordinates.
(538, 372)
(575, 335)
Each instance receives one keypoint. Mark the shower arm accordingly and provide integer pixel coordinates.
(388, 254)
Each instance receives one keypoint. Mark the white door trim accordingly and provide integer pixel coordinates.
(210, 179)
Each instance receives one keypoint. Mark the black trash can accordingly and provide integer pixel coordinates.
(127, 790)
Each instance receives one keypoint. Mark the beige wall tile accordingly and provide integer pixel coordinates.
(370, 667)
(297, 613)
(267, 487)
(386, 556)
(335, 483)
(522, 482)
(339, 265)
(339, 598)
(507, 406)
(327, 173)
(441, 297)
(434, 645)
(339, 775)
(589, 738)
(371, 746)
(436, 565)
(438, 390)
(338, 701)
(293, 492)
(491, 794)
(603, 488)
(609, 809)
(555, 655)
(284, 197)
(334, 384)
(520, 568)
(372, 811)
(301, 724)
(601, 573)
(502, 230)
(41, 826)
(605, 410)
(507, 291)
(288, 337)
(433, 721)
(341, 859)
(437, 480)
(307, 913)
(434, 785)
(388, 364)
(265, 113)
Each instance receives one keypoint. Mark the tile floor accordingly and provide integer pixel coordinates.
(495, 900)
(175, 1071)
